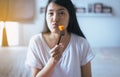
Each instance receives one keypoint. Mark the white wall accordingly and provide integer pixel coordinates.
(101, 31)
(27, 30)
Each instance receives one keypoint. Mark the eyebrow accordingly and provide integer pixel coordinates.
(57, 10)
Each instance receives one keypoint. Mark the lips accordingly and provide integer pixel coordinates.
(55, 25)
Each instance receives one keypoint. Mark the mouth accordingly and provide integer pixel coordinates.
(55, 25)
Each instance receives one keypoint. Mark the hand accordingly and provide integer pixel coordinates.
(56, 52)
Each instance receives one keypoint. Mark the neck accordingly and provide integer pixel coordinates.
(52, 38)
(56, 35)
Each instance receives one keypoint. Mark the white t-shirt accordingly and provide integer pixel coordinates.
(76, 54)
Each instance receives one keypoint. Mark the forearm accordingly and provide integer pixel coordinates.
(86, 70)
(47, 70)
(56, 54)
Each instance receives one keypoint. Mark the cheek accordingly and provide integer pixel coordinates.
(48, 20)
(66, 22)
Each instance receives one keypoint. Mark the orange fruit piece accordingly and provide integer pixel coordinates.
(61, 27)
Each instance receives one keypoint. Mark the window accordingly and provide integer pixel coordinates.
(12, 30)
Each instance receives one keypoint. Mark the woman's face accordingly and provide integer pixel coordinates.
(56, 15)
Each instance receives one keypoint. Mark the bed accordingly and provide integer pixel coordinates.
(12, 62)
(105, 64)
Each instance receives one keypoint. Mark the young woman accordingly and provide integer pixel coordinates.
(70, 58)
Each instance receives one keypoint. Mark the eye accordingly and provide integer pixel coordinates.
(61, 13)
(50, 13)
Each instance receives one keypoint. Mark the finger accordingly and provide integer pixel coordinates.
(57, 57)
(59, 51)
(56, 53)
(55, 48)
(61, 46)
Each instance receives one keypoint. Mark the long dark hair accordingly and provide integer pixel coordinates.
(73, 26)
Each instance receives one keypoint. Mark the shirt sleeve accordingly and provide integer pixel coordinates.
(87, 54)
(32, 58)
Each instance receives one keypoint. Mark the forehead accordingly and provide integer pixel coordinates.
(55, 7)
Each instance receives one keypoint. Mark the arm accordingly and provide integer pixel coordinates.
(34, 71)
(47, 70)
(86, 70)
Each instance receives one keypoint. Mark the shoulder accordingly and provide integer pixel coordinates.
(36, 37)
(78, 39)
(34, 43)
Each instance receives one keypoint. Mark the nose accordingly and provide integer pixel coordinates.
(55, 17)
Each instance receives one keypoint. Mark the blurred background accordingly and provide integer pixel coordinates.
(21, 19)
